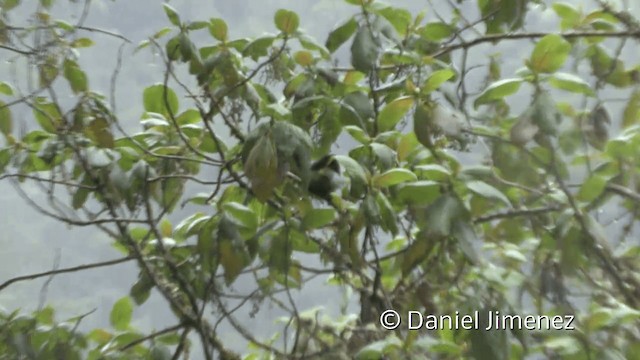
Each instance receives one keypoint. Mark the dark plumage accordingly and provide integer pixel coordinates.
(324, 173)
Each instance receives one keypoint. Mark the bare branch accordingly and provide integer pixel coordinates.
(65, 270)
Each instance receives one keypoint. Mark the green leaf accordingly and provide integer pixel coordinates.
(45, 316)
(592, 188)
(258, 47)
(7, 5)
(5, 157)
(121, 312)
(440, 215)
(245, 215)
(631, 113)
(358, 2)
(232, 258)
(286, 21)
(141, 290)
(485, 190)
(389, 221)
(384, 155)
(468, 240)
(310, 43)
(172, 48)
(165, 228)
(75, 76)
(564, 345)
(393, 177)
(47, 114)
(378, 349)
(218, 29)
(63, 25)
(5, 88)
(436, 31)
(99, 131)
(545, 114)
(159, 352)
(355, 172)
(190, 116)
(393, 112)
(358, 134)
(364, 50)
(415, 253)
(261, 167)
(549, 54)
(418, 192)
(153, 99)
(399, 18)
(570, 15)
(498, 90)
(172, 14)
(303, 58)
(433, 172)
(48, 70)
(6, 122)
(341, 34)
(423, 123)
(318, 218)
(82, 43)
(358, 104)
(570, 82)
(436, 79)
(197, 25)
(491, 344)
(187, 48)
(99, 336)
(79, 198)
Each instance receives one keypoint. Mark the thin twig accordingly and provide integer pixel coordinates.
(65, 270)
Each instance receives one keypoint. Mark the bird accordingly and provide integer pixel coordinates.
(596, 127)
(325, 175)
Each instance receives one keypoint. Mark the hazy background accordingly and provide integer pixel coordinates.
(29, 241)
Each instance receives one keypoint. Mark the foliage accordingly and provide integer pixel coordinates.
(541, 220)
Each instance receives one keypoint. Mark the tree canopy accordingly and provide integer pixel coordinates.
(465, 185)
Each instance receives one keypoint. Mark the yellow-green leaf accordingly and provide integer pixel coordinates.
(172, 14)
(341, 34)
(570, 82)
(393, 112)
(121, 312)
(218, 29)
(6, 123)
(5, 88)
(99, 131)
(632, 110)
(166, 229)
(436, 79)
(232, 261)
(82, 43)
(498, 90)
(549, 54)
(75, 76)
(592, 188)
(436, 31)
(287, 21)
(303, 58)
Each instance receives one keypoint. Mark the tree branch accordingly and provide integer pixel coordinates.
(65, 270)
